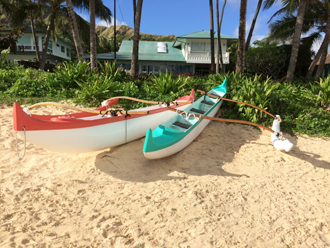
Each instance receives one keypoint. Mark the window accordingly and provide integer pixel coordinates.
(203, 47)
(62, 49)
(68, 52)
(161, 47)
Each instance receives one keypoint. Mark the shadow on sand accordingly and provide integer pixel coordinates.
(206, 155)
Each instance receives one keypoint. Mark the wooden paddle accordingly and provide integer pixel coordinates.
(223, 120)
(229, 100)
(87, 110)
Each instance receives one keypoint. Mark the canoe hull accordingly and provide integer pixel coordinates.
(95, 138)
(183, 143)
(179, 131)
(85, 132)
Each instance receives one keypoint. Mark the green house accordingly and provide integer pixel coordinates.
(189, 53)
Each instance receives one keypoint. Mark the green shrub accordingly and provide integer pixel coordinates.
(72, 73)
(98, 89)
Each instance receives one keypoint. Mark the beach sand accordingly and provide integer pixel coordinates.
(229, 188)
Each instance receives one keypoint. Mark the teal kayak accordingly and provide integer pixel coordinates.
(180, 130)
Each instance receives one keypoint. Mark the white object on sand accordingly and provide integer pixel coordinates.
(279, 142)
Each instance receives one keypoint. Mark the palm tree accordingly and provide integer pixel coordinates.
(55, 5)
(135, 54)
(17, 11)
(219, 50)
(75, 31)
(247, 44)
(212, 37)
(296, 40)
(313, 26)
(324, 48)
(93, 58)
(241, 38)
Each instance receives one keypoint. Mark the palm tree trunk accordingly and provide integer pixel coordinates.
(135, 54)
(241, 38)
(324, 51)
(296, 40)
(316, 59)
(253, 25)
(92, 35)
(47, 37)
(218, 38)
(219, 35)
(134, 9)
(75, 31)
(212, 37)
(35, 38)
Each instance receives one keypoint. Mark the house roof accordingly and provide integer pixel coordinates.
(147, 51)
(202, 35)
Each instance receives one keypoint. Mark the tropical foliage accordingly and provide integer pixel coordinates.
(302, 104)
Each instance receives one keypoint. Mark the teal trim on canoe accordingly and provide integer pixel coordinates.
(164, 136)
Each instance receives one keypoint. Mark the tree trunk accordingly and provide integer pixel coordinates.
(316, 59)
(219, 35)
(35, 38)
(241, 38)
(324, 51)
(47, 37)
(135, 54)
(296, 41)
(75, 31)
(134, 9)
(212, 37)
(93, 58)
(218, 38)
(253, 25)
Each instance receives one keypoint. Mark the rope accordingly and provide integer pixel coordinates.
(20, 158)
(229, 100)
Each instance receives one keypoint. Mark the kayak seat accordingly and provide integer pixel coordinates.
(197, 111)
(180, 124)
(207, 103)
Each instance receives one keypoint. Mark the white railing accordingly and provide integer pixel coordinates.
(29, 48)
(22, 48)
(205, 57)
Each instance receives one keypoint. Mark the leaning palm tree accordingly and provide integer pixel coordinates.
(241, 38)
(212, 37)
(219, 50)
(290, 6)
(56, 5)
(18, 11)
(296, 40)
(315, 23)
(135, 53)
(75, 31)
(248, 40)
(324, 48)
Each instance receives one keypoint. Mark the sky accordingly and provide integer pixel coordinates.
(181, 17)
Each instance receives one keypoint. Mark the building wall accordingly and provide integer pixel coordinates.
(57, 51)
(199, 51)
(153, 67)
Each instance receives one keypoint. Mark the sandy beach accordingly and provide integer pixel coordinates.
(229, 188)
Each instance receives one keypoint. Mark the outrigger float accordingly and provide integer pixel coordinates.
(180, 130)
(92, 130)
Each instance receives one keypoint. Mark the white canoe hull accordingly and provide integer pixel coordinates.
(98, 137)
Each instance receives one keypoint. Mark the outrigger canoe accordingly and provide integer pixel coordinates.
(89, 131)
(180, 130)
